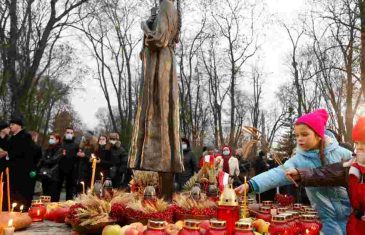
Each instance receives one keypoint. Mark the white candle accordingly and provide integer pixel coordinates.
(21, 208)
(13, 206)
(83, 187)
(10, 229)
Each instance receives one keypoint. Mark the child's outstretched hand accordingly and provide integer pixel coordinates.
(240, 189)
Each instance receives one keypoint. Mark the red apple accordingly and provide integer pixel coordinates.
(131, 231)
(60, 214)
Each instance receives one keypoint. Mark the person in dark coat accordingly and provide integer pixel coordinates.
(37, 153)
(119, 172)
(20, 162)
(260, 165)
(67, 164)
(191, 164)
(49, 167)
(84, 159)
(102, 153)
(4, 142)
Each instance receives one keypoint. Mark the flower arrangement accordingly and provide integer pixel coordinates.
(284, 199)
(187, 207)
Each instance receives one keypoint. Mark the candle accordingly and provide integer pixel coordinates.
(13, 206)
(8, 186)
(102, 177)
(38, 212)
(1, 191)
(93, 166)
(21, 208)
(244, 193)
(10, 229)
(83, 187)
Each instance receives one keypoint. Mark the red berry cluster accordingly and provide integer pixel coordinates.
(284, 200)
(71, 215)
(121, 213)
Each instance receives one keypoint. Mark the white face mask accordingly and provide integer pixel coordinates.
(226, 152)
(184, 146)
(113, 142)
(102, 142)
(69, 136)
(51, 141)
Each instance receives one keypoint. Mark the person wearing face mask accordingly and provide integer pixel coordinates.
(118, 171)
(191, 165)
(84, 159)
(229, 165)
(49, 167)
(67, 164)
(102, 153)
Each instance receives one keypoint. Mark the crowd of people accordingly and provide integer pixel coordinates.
(64, 162)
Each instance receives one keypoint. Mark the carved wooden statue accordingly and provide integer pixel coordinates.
(155, 142)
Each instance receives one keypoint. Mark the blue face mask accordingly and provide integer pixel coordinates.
(51, 141)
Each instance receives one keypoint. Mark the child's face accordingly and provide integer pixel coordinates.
(360, 152)
(307, 139)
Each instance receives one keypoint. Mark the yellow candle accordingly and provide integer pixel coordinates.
(8, 186)
(93, 173)
(244, 193)
(83, 186)
(1, 191)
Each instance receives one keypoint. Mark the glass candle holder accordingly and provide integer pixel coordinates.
(243, 228)
(264, 213)
(217, 227)
(279, 225)
(191, 227)
(267, 203)
(37, 211)
(309, 225)
(155, 227)
(45, 199)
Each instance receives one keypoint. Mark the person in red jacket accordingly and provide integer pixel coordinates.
(350, 173)
(356, 223)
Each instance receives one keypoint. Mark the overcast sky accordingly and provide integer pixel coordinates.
(87, 101)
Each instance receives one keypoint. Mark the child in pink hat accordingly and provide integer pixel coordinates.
(314, 149)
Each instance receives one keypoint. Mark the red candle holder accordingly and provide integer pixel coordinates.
(243, 228)
(310, 225)
(297, 206)
(230, 214)
(155, 227)
(264, 213)
(267, 203)
(37, 211)
(279, 226)
(191, 227)
(217, 227)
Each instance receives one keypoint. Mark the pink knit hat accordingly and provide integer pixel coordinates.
(316, 120)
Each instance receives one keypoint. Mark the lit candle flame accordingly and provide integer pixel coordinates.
(10, 223)
(21, 208)
(307, 231)
(13, 206)
(38, 212)
(101, 174)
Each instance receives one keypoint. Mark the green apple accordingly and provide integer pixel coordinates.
(112, 230)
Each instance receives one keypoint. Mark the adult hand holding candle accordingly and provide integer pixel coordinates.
(10, 229)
